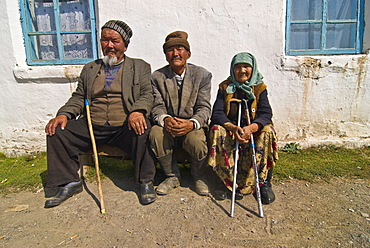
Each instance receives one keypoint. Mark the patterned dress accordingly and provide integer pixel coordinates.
(222, 154)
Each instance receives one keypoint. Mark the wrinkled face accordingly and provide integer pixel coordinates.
(177, 56)
(112, 44)
(242, 72)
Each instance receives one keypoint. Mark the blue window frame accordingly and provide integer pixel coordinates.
(324, 27)
(58, 32)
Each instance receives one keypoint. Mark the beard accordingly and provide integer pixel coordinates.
(109, 61)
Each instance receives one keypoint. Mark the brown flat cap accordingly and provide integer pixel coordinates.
(177, 38)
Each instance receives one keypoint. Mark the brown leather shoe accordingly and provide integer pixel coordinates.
(201, 187)
(167, 185)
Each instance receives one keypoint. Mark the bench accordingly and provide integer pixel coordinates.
(87, 159)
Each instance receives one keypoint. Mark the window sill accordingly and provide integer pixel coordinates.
(47, 74)
(309, 66)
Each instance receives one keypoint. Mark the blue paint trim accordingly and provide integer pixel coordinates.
(57, 29)
(93, 29)
(287, 25)
(360, 25)
(322, 52)
(323, 25)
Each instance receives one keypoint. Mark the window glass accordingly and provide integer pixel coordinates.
(44, 47)
(342, 9)
(77, 46)
(306, 10)
(74, 16)
(305, 36)
(340, 36)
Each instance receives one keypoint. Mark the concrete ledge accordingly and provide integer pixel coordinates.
(47, 73)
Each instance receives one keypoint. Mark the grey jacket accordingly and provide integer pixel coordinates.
(136, 89)
(195, 97)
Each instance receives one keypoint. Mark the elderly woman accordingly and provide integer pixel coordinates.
(244, 82)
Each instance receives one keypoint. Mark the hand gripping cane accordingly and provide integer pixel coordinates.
(258, 190)
(236, 158)
(95, 152)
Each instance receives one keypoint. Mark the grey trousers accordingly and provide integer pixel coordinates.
(163, 143)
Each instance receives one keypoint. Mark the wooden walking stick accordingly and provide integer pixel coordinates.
(258, 190)
(236, 158)
(95, 153)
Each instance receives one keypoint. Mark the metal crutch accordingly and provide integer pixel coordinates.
(258, 190)
(236, 158)
(96, 159)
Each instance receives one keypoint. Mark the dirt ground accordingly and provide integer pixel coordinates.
(320, 214)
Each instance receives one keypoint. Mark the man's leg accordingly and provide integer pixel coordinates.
(142, 158)
(196, 145)
(63, 149)
(162, 144)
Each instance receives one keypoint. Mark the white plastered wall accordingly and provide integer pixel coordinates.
(316, 99)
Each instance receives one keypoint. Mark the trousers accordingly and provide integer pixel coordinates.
(65, 145)
(194, 142)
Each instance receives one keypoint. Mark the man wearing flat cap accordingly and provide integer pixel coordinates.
(181, 113)
(120, 95)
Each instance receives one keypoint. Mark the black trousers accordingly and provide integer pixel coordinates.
(65, 145)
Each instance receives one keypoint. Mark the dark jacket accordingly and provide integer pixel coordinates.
(259, 110)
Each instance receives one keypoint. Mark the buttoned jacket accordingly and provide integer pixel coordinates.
(137, 92)
(194, 101)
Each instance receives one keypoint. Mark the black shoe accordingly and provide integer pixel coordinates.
(51, 191)
(63, 194)
(239, 196)
(147, 193)
(220, 194)
(267, 195)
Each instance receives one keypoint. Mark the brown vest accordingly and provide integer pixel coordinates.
(107, 106)
(227, 101)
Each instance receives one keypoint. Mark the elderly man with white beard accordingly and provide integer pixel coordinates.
(120, 95)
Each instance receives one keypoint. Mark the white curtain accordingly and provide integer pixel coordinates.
(74, 16)
(341, 35)
(308, 36)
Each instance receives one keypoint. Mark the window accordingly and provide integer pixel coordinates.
(58, 31)
(324, 26)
